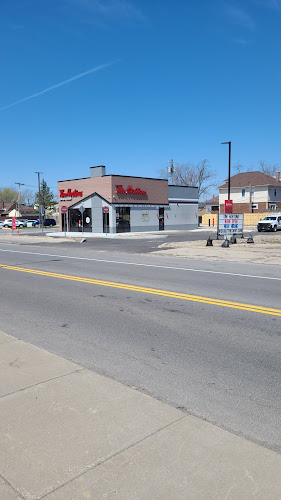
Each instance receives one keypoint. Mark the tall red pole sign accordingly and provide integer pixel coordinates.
(14, 226)
(228, 207)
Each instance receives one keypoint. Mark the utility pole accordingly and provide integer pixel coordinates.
(171, 170)
(19, 185)
(229, 166)
(39, 202)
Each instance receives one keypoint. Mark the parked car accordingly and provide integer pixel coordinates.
(8, 223)
(23, 221)
(270, 223)
(35, 223)
(49, 222)
(1, 224)
(30, 223)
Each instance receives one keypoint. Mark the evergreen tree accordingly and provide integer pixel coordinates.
(47, 199)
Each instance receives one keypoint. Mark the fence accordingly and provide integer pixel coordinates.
(249, 219)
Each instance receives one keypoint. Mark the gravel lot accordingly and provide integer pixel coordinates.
(265, 250)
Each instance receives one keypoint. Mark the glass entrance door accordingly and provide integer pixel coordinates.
(123, 224)
(161, 219)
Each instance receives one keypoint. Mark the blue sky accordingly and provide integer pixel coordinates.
(172, 80)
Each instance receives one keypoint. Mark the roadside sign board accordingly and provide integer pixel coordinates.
(14, 224)
(105, 210)
(64, 209)
(230, 224)
(228, 207)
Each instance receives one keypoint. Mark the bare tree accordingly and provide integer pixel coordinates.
(268, 168)
(263, 166)
(190, 174)
(28, 197)
(238, 167)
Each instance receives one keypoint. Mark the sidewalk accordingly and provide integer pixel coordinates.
(142, 235)
(68, 433)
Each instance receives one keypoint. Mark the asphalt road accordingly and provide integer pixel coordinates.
(134, 244)
(220, 363)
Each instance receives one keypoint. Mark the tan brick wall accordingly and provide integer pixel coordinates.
(156, 190)
(88, 186)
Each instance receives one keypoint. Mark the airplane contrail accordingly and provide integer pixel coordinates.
(76, 77)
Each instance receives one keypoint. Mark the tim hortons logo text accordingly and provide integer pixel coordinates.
(129, 190)
(70, 193)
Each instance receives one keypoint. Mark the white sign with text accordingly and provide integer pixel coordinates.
(230, 224)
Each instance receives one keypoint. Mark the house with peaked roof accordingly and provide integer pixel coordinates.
(212, 205)
(11, 210)
(252, 192)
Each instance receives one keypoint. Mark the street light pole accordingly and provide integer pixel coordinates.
(39, 202)
(229, 166)
(19, 185)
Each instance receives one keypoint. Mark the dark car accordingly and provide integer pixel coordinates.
(49, 222)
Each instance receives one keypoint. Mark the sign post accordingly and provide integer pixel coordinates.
(82, 210)
(105, 211)
(64, 211)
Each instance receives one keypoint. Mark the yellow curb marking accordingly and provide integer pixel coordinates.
(153, 291)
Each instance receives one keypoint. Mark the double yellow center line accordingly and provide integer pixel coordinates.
(151, 291)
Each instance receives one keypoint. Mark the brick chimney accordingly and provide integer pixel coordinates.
(278, 175)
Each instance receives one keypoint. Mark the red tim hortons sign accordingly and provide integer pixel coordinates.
(69, 193)
(129, 190)
(228, 207)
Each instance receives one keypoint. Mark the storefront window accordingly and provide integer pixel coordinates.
(123, 224)
(77, 224)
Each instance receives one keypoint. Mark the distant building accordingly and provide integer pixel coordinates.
(8, 210)
(252, 192)
(212, 205)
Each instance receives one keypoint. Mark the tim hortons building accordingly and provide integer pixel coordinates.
(117, 203)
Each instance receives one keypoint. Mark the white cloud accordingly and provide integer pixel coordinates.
(271, 4)
(61, 84)
(242, 41)
(116, 9)
(240, 16)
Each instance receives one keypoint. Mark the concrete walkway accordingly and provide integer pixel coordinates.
(143, 234)
(68, 433)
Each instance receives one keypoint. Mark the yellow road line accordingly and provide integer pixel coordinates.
(153, 291)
